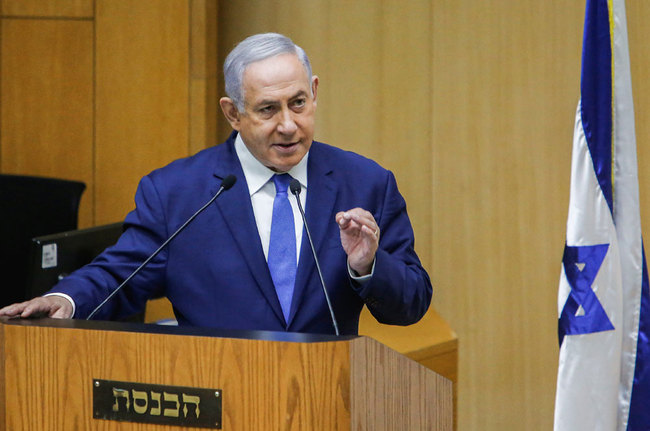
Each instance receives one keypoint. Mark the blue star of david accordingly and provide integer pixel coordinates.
(582, 312)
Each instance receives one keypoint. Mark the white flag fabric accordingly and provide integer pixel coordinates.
(603, 301)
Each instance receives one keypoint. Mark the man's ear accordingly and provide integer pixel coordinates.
(231, 112)
(314, 87)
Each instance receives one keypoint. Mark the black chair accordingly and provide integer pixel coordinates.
(31, 207)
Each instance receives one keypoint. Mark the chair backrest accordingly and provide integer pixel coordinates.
(55, 256)
(30, 207)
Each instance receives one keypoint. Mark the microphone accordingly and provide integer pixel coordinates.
(295, 188)
(226, 184)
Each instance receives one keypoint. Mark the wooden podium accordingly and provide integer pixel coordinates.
(51, 369)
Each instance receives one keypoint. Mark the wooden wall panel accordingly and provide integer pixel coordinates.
(47, 8)
(204, 100)
(142, 106)
(47, 102)
(638, 14)
(506, 84)
(405, 104)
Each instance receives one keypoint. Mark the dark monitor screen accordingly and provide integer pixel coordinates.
(52, 257)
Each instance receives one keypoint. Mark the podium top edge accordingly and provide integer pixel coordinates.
(149, 328)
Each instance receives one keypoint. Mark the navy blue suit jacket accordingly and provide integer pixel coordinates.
(215, 274)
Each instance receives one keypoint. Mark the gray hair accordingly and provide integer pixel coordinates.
(253, 49)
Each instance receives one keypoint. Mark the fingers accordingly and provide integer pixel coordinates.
(21, 309)
(371, 232)
(51, 306)
(360, 219)
(12, 310)
(36, 307)
(359, 238)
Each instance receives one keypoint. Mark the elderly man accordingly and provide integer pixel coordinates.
(244, 262)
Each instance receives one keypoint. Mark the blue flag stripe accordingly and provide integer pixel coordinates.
(639, 416)
(596, 92)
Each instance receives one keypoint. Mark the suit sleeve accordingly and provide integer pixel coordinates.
(145, 230)
(399, 291)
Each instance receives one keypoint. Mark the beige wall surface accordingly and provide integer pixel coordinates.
(471, 104)
(506, 85)
(142, 82)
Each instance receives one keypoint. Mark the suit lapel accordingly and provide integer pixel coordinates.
(319, 211)
(237, 212)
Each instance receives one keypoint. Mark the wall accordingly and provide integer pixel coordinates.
(105, 91)
(506, 86)
(46, 90)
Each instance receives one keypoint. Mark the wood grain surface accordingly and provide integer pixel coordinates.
(334, 385)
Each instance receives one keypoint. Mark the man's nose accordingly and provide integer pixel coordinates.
(287, 124)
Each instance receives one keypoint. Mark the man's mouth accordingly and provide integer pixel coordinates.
(285, 146)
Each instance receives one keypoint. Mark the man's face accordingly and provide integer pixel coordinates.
(277, 124)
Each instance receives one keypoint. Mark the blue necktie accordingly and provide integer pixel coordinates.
(282, 245)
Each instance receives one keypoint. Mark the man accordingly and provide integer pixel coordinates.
(236, 265)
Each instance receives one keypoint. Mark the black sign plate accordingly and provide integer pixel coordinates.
(157, 404)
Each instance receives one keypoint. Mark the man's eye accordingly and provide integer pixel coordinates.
(266, 109)
(299, 103)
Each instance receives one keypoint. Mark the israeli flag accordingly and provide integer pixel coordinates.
(603, 302)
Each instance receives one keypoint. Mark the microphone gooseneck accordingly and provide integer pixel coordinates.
(295, 188)
(226, 184)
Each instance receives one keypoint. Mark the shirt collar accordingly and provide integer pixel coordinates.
(257, 174)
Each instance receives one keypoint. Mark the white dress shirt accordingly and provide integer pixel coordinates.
(262, 193)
